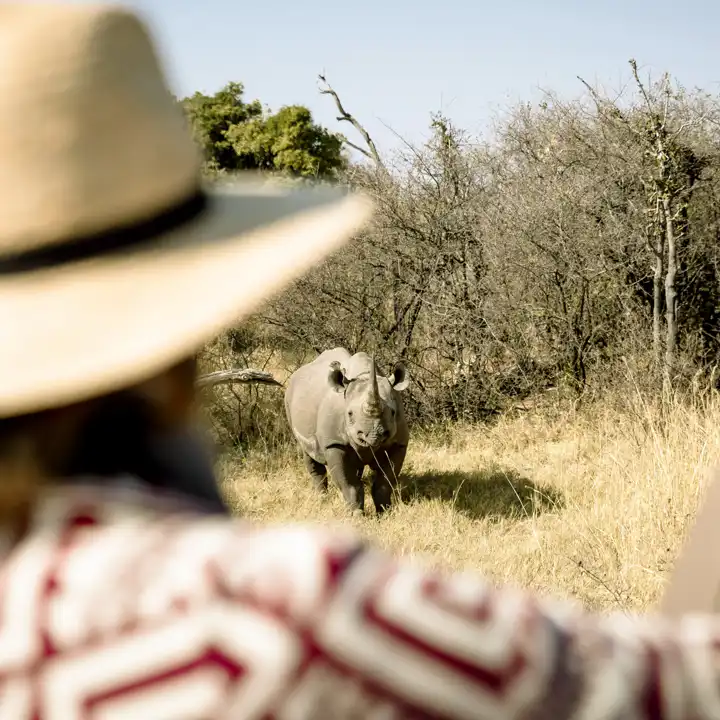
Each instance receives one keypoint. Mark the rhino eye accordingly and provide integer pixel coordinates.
(392, 412)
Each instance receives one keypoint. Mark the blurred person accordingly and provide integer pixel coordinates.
(127, 591)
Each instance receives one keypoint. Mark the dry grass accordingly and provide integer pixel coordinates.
(592, 505)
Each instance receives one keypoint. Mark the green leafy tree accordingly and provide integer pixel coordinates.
(239, 135)
(288, 141)
(212, 116)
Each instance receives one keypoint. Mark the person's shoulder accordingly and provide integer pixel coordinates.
(173, 563)
(110, 598)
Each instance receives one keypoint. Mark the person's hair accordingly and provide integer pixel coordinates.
(31, 447)
(124, 432)
(104, 437)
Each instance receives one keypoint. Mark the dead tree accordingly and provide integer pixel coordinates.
(671, 175)
(371, 152)
(667, 192)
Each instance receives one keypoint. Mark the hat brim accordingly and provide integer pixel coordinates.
(89, 328)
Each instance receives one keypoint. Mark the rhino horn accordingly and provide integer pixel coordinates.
(372, 404)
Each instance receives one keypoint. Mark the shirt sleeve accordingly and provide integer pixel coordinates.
(373, 635)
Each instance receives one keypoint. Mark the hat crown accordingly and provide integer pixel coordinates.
(90, 136)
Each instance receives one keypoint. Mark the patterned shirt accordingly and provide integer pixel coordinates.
(121, 604)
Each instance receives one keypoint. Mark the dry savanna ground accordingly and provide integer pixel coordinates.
(591, 504)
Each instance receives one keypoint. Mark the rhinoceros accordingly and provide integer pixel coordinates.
(346, 416)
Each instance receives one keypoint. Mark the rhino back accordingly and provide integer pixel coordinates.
(339, 354)
(359, 363)
(308, 396)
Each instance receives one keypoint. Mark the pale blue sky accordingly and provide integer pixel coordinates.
(395, 61)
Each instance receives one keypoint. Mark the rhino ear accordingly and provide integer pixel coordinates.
(400, 379)
(336, 377)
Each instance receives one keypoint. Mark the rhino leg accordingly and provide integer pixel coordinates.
(386, 467)
(346, 470)
(318, 473)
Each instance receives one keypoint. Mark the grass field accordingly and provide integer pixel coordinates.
(592, 504)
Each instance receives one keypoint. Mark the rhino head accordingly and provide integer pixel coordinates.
(370, 403)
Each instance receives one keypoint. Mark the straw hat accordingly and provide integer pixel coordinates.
(114, 261)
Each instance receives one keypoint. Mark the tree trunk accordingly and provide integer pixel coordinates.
(670, 296)
(657, 299)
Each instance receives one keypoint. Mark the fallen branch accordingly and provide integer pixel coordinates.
(240, 375)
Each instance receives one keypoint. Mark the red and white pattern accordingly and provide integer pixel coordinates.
(120, 605)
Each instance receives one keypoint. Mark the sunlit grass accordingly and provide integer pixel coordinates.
(592, 505)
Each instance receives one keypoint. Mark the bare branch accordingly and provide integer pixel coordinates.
(359, 149)
(239, 375)
(345, 116)
(639, 83)
(609, 110)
